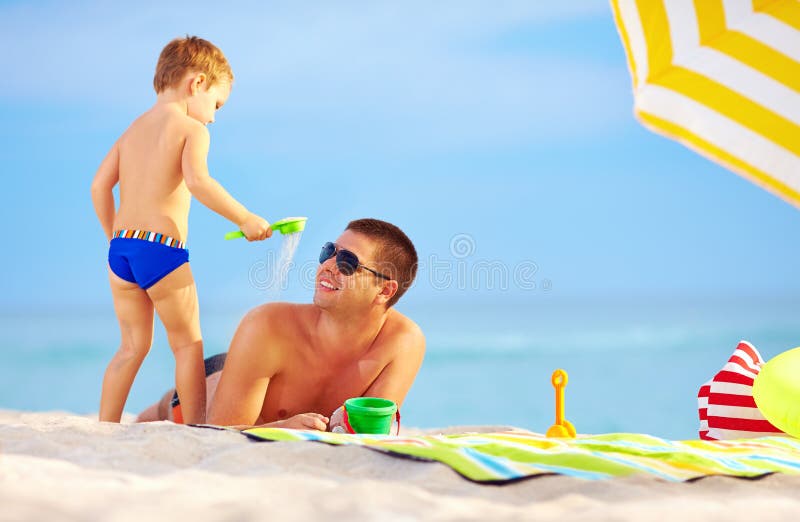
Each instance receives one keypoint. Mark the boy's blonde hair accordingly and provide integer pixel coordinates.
(192, 53)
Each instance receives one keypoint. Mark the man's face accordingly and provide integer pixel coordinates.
(335, 290)
(206, 101)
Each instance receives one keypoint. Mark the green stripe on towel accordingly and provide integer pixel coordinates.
(512, 455)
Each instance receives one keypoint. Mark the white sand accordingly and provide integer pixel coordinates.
(67, 467)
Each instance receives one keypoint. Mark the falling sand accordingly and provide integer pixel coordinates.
(278, 268)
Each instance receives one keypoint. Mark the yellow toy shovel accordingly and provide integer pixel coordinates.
(562, 428)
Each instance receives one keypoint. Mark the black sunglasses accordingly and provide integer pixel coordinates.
(346, 261)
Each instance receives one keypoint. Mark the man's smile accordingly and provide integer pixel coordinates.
(327, 284)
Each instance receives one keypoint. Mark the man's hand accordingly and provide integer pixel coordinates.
(303, 421)
(255, 228)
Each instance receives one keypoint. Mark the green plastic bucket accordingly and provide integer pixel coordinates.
(370, 414)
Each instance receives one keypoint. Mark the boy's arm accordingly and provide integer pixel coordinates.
(239, 396)
(200, 183)
(103, 184)
(396, 379)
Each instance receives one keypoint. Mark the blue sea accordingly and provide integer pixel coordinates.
(634, 366)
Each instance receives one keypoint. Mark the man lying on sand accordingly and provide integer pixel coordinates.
(293, 365)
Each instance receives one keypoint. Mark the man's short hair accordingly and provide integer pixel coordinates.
(395, 254)
(191, 53)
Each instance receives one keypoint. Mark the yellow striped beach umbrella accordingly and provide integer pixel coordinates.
(723, 78)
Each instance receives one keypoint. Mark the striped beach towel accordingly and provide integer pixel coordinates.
(508, 456)
(725, 403)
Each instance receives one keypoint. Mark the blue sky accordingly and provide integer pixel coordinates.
(511, 127)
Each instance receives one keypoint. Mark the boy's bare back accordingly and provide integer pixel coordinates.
(153, 194)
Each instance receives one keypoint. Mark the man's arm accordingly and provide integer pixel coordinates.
(249, 366)
(397, 377)
(103, 184)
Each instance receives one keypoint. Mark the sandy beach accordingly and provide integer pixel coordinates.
(69, 467)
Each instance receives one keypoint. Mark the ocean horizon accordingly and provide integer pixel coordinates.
(633, 366)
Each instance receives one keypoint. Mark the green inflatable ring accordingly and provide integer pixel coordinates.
(776, 391)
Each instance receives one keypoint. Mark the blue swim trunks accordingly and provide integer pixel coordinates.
(143, 257)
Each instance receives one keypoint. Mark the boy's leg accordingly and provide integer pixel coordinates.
(175, 301)
(135, 315)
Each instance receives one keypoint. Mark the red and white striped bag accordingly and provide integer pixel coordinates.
(725, 403)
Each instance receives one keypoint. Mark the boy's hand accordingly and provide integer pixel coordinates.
(255, 228)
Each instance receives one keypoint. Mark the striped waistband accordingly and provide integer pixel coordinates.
(155, 237)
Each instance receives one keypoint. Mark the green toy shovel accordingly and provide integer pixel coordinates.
(287, 225)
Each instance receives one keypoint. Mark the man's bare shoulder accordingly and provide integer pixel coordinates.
(279, 317)
(402, 323)
(276, 326)
(402, 332)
